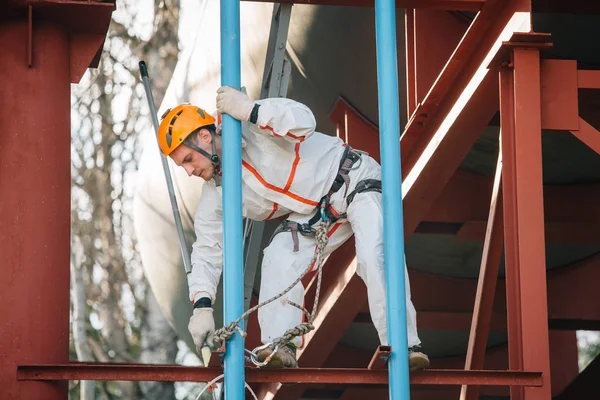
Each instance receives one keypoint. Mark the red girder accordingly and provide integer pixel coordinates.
(353, 376)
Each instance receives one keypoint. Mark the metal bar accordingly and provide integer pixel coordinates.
(469, 53)
(356, 376)
(513, 298)
(588, 135)
(411, 73)
(459, 5)
(29, 35)
(588, 79)
(275, 83)
(233, 281)
(380, 358)
(486, 286)
(465, 111)
(393, 227)
(524, 220)
(282, 20)
(185, 255)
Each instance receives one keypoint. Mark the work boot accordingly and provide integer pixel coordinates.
(416, 359)
(284, 358)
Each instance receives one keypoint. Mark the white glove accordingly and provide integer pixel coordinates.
(233, 102)
(202, 328)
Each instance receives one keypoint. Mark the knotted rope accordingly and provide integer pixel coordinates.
(321, 236)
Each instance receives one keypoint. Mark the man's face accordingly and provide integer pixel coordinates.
(192, 161)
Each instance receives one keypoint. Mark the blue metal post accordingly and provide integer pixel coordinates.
(233, 275)
(393, 229)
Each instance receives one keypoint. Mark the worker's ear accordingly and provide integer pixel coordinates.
(204, 136)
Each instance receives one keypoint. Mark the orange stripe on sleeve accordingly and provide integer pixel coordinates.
(267, 127)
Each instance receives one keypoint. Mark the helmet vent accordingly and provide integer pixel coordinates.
(169, 137)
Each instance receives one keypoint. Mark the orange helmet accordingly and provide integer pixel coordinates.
(178, 123)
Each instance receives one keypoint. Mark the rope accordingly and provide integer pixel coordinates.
(225, 333)
(209, 384)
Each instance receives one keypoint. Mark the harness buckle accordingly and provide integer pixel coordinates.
(324, 207)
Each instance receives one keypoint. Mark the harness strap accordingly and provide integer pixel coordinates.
(294, 228)
(323, 208)
(366, 185)
(348, 159)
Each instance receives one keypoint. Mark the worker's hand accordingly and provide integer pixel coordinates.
(233, 102)
(202, 328)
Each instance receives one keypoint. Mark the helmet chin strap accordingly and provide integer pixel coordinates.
(214, 158)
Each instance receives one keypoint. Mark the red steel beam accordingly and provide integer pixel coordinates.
(380, 358)
(352, 376)
(588, 135)
(483, 36)
(524, 220)
(458, 5)
(464, 112)
(411, 73)
(486, 286)
(465, 199)
(560, 100)
(436, 35)
(588, 79)
(580, 232)
(447, 320)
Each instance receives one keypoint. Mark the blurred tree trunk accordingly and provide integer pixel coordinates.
(79, 324)
(108, 287)
(159, 342)
(159, 346)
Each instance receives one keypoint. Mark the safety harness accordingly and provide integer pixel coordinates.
(324, 213)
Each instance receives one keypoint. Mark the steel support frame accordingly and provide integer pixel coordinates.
(275, 82)
(453, 121)
(520, 115)
(459, 5)
(486, 286)
(353, 376)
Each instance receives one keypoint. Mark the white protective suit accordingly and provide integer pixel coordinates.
(287, 169)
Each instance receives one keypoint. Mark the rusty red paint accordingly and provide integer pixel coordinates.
(466, 59)
(524, 220)
(36, 206)
(588, 135)
(560, 103)
(588, 79)
(486, 286)
(352, 376)
(437, 34)
(411, 74)
(459, 5)
(380, 358)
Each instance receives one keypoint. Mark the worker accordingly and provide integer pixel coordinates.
(289, 171)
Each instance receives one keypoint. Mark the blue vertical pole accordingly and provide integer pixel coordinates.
(233, 275)
(393, 228)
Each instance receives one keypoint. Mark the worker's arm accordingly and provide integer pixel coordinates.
(284, 118)
(275, 117)
(207, 251)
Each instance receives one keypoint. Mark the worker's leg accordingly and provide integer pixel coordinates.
(281, 266)
(365, 214)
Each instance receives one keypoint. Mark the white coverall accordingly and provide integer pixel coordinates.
(287, 169)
